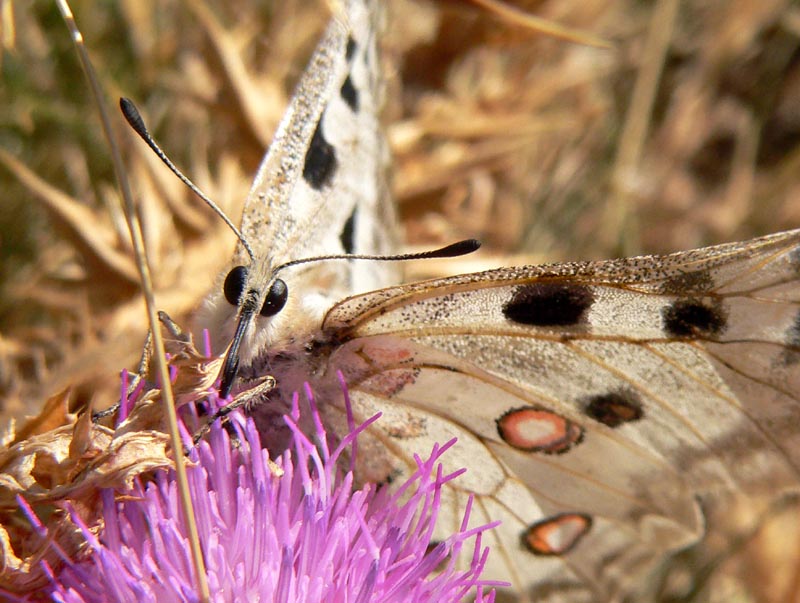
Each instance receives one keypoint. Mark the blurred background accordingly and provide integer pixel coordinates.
(684, 131)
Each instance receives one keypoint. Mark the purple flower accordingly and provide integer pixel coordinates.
(305, 535)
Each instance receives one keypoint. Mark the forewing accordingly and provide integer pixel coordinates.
(597, 405)
(320, 190)
(321, 187)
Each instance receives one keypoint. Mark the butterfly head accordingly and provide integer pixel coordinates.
(241, 289)
(234, 290)
(262, 310)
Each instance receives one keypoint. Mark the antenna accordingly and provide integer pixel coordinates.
(449, 251)
(134, 118)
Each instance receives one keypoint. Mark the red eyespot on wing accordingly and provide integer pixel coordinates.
(534, 429)
(556, 535)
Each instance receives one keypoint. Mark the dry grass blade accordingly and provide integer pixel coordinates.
(134, 225)
(79, 221)
(637, 122)
(550, 28)
(8, 33)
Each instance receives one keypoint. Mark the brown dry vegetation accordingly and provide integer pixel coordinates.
(543, 149)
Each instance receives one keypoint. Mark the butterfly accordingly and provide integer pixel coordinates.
(599, 407)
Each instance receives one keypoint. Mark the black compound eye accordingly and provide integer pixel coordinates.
(275, 299)
(234, 285)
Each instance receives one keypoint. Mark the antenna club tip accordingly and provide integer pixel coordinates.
(132, 115)
(460, 248)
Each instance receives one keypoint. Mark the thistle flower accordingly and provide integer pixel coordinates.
(300, 533)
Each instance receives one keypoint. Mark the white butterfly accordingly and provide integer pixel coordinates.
(598, 406)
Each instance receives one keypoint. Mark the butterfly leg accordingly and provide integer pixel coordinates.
(245, 399)
(144, 361)
(141, 372)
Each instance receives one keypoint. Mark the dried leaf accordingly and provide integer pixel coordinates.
(54, 413)
(74, 461)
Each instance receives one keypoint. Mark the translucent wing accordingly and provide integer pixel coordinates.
(597, 405)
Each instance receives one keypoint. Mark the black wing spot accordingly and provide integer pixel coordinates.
(347, 237)
(349, 94)
(693, 318)
(350, 51)
(320, 161)
(549, 304)
(615, 408)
